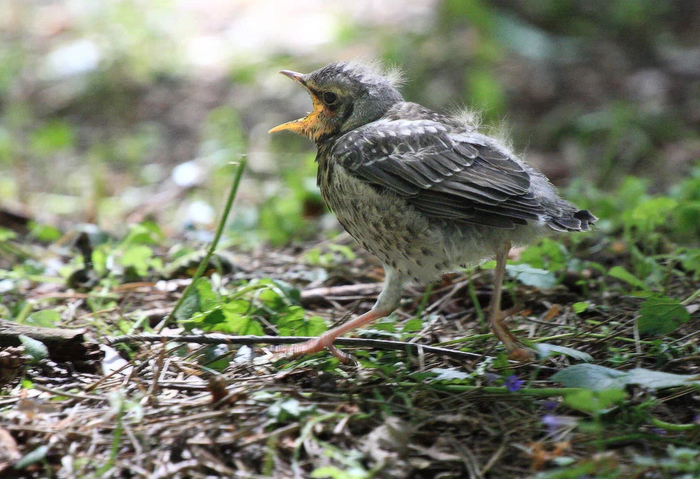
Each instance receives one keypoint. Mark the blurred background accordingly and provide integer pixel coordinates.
(116, 112)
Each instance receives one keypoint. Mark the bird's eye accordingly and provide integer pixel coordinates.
(329, 98)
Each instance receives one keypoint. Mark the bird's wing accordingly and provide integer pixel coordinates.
(456, 176)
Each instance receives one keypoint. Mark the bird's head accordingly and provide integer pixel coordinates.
(345, 96)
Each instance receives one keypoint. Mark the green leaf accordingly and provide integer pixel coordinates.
(529, 276)
(188, 308)
(295, 323)
(598, 378)
(490, 264)
(33, 457)
(206, 296)
(652, 213)
(659, 380)
(548, 254)
(690, 260)
(344, 250)
(661, 315)
(206, 320)
(594, 401)
(215, 357)
(545, 350)
(46, 318)
(237, 323)
(36, 349)
(412, 325)
(44, 232)
(622, 274)
(590, 376)
(201, 298)
(6, 235)
(144, 233)
(137, 257)
(580, 307)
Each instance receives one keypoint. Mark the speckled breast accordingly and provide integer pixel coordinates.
(385, 225)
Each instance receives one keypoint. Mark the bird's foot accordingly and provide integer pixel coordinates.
(522, 354)
(517, 351)
(325, 341)
(312, 346)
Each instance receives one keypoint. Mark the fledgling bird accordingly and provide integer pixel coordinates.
(422, 191)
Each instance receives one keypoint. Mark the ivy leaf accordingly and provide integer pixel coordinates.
(661, 315)
(529, 276)
(201, 298)
(206, 296)
(237, 323)
(295, 323)
(207, 321)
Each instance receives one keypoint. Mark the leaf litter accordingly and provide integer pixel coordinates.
(187, 409)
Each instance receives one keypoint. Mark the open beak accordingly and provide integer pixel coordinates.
(301, 125)
(298, 77)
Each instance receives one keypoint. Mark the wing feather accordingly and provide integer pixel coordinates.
(441, 172)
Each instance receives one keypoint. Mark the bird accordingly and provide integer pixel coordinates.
(425, 192)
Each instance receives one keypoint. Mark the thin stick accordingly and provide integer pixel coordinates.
(212, 247)
(215, 338)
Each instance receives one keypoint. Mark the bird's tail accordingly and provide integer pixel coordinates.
(572, 220)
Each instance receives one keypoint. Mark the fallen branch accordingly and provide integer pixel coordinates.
(216, 338)
(63, 344)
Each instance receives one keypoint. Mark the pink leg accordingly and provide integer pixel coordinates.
(496, 316)
(325, 341)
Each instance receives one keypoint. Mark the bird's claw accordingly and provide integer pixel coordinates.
(522, 354)
(313, 346)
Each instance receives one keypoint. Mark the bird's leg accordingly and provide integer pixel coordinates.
(387, 302)
(325, 341)
(496, 316)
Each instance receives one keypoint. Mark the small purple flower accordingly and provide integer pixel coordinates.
(658, 431)
(555, 423)
(549, 405)
(490, 378)
(513, 383)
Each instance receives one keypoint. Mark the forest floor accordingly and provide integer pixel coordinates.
(613, 394)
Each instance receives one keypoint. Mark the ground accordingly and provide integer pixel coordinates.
(178, 408)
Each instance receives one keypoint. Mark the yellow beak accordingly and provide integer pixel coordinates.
(301, 125)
